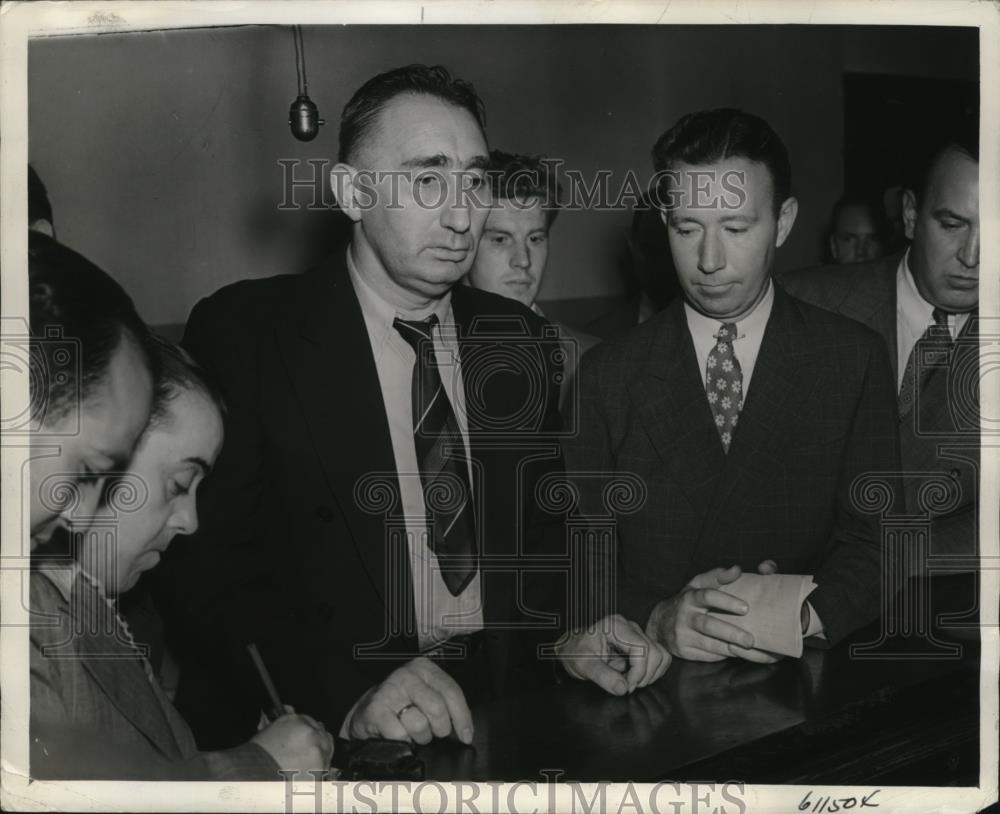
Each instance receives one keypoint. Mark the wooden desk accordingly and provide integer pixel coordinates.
(826, 718)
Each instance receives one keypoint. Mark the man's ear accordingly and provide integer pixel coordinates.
(909, 213)
(833, 247)
(786, 219)
(343, 179)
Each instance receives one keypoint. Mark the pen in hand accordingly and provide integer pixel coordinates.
(319, 738)
(277, 708)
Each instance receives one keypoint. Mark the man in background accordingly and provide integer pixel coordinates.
(514, 249)
(924, 303)
(858, 231)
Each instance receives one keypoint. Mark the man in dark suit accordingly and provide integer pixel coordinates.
(746, 413)
(923, 302)
(371, 516)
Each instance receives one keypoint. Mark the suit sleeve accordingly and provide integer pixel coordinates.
(247, 762)
(956, 534)
(850, 580)
(65, 743)
(588, 460)
(544, 591)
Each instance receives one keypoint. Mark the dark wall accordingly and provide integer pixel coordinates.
(160, 150)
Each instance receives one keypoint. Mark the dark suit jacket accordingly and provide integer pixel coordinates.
(575, 344)
(94, 713)
(623, 317)
(292, 551)
(939, 439)
(819, 412)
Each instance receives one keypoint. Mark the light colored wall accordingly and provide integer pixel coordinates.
(160, 149)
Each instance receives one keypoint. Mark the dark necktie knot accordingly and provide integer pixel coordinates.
(727, 332)
(415, 331)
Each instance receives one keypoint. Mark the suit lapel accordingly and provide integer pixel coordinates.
(496, 397)
(949, 396)
(326, 350)
(780, 382)
(674, 410)
(116, 667)
(872, 301)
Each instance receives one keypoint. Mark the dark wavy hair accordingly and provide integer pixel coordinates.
(524, 178)
(710, 136)
(78, 317)
(179, 372)
(361, 112)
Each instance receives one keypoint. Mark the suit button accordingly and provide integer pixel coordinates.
(955, 474)
(324, 513)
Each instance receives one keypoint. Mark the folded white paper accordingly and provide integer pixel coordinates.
(775, 602)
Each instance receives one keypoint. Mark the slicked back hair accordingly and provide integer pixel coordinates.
(179, 372)
(75, 308)
(524, 179)
(711, 136)
(360, 114)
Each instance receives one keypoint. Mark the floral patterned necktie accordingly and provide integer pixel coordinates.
(724, 383)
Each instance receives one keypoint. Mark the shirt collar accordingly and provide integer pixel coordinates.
(752, 325)
(913, 309)
(379, 314)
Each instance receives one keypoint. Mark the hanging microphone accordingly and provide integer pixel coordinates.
(303, 115)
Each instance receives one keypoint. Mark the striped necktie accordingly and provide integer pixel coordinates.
(929, 352)
(451, 525)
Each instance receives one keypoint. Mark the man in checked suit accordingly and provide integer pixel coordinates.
(368, 520)
(923, 302)
(747, 413)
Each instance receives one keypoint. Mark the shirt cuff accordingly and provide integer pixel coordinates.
(815, 625)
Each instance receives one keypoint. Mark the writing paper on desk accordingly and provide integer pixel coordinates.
(775, 602)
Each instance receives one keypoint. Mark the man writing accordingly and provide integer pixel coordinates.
(747, 413)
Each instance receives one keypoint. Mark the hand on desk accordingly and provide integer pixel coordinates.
(417, 702)
(296, 742)
(683, 625)
(614, 654)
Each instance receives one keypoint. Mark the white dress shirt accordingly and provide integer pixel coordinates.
(439, 615)
(914, 315)
(746, 348)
